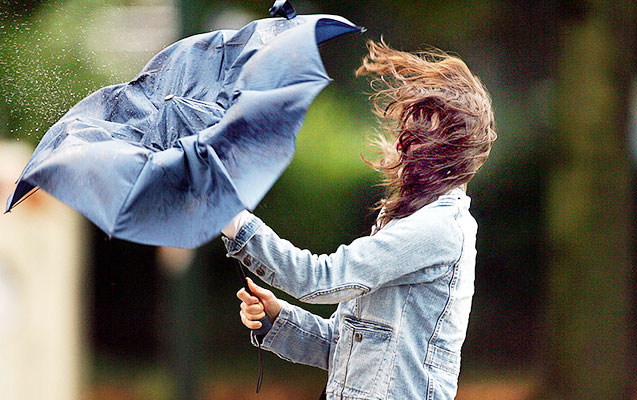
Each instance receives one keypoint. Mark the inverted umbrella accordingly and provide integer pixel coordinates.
(200, 134)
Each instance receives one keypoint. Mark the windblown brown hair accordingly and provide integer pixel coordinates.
(438, 119)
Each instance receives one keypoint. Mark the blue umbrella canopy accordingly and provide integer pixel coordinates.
(200, 134)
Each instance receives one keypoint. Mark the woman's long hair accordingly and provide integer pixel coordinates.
(437, 121)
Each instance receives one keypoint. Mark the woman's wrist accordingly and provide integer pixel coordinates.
(230, 231)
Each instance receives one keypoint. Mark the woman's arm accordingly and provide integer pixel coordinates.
(426, 243)
(296, 334)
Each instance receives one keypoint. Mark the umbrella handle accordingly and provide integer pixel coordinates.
(266, 324)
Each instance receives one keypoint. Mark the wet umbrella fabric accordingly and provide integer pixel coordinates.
(200, 134)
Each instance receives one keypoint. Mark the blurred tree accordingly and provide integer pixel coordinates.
(19, 9)
(590, 206)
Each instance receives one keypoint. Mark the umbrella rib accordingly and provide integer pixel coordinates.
(119, 212)
(31, 193)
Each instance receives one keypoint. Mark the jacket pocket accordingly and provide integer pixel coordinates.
(361, 361)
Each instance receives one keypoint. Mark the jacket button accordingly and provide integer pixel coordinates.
(358, 336)
(247, 261)
(260, 271)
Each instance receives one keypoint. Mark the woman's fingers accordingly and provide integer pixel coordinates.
(249, 323)
(256, 307)
(253, 311)
(246, 297)
(253, 317)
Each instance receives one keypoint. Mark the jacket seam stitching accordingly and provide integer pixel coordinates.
(451, 285)
(398, 336)
(445, 310)
(319, 293)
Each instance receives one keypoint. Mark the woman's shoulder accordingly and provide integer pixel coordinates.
(444, 210)
(440, 221)
(435, 221)
(432, 233)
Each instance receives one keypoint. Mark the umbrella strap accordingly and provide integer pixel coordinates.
(259, 338)
(260, 376)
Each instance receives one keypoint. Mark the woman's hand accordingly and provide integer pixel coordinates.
(254, 308)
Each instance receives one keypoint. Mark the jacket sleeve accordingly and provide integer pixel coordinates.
(425, 243)
(300, 336)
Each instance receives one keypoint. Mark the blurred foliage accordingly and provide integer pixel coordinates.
(17, 9)
(325, 196)
(46, 65)
(589, 209)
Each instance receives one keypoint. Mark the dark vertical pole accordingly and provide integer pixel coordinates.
(185, 308)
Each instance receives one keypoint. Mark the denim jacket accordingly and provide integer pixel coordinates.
(404, 297)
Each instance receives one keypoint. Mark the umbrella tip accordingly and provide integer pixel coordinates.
(283, 8)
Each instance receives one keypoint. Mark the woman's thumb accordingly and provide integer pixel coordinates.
(269, 300)
(261, 293)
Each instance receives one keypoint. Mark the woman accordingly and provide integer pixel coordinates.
(404, 292)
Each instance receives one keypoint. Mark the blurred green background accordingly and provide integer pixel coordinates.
(554, 311)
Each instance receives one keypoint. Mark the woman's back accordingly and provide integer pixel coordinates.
(403, 340)
(404, 298)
